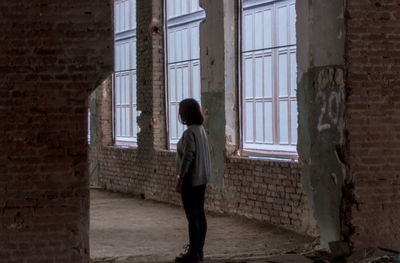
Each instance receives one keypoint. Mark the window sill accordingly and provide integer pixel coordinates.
(278, 156)
(124, 147)
(265, 160)
(125, 144)
(172, 147)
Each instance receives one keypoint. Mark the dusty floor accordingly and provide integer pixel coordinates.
(127, 229)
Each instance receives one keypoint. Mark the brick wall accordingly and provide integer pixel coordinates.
(52, 53)
(121, 170)
(266, 190)
(269, 191)
(150, 77)
(373, 117)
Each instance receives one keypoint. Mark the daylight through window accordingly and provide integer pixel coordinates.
(269, 105)
(124, 84)
(183, 19)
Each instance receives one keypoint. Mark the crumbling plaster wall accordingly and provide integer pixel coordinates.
(220, 76)
(213, 79)
(100, 125)
(321, 98)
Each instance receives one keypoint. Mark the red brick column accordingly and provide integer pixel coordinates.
(150, 76)
(373, 117)
(52, 53)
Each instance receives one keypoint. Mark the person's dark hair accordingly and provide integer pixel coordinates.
(190, 112)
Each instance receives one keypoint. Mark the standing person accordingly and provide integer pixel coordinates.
(193, 168)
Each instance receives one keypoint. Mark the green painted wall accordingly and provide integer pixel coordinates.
(214, 107)
(321, 137)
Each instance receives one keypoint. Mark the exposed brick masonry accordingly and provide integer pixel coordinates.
(150, 78)
(52, 53)
(373, 120)
(264, 190)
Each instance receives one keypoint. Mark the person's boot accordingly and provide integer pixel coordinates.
(201, 255)
(188, 257)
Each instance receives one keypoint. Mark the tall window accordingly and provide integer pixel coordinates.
(269, 76)
(124, 84)
(183, 19)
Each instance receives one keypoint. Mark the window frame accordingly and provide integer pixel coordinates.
(195, 15)
(129, 37)
(272, 150)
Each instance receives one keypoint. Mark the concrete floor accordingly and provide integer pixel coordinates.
(128, 229)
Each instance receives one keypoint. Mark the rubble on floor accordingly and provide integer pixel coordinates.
(374, 255)
(366, 255)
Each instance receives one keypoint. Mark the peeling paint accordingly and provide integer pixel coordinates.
(213, 105)
(321, 116)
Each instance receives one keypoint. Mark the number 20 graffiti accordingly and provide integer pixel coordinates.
(329, 111)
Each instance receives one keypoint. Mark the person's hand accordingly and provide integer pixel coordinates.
(179, 185)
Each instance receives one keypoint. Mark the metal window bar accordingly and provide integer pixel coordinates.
(268, 48)
(184, 61)
(124, 71)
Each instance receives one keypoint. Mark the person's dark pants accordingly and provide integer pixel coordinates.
(193, 203)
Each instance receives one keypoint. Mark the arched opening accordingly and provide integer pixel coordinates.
(267, 190)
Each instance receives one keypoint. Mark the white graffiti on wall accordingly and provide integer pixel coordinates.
(329, 110)
(330, 82)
